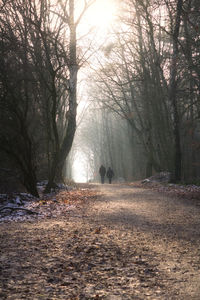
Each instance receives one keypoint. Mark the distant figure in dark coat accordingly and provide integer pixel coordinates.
(110, 174)
(102, 172)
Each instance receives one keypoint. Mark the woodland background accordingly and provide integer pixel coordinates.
(142, 113)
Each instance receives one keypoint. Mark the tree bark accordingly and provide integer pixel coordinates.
(173, 96)
(60, 156)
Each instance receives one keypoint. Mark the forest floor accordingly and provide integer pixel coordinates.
(119, 241)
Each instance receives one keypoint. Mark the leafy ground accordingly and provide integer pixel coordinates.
(103, 242)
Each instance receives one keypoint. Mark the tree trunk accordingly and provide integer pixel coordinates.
(30, 183)
(173, 96)
(60, 157)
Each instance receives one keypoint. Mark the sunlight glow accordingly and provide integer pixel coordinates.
(100, 15)
(93, 29)
(80, 169)
(79, 172)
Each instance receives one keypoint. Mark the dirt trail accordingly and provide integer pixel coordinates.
(130, 243)
(168, 229)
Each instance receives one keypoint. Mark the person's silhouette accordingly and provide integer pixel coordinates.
(110, 174)
(102, 172)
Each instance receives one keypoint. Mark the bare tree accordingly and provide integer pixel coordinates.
(173, 92)
(44, 35)
(17, 97)
(143, 78)
(67, 16)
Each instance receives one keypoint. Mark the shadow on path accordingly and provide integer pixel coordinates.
(148, 211)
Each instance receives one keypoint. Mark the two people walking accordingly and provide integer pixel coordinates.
(109, 174)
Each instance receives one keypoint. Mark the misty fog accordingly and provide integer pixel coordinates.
(81, 88)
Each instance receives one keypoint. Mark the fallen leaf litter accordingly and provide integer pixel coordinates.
(96, 250)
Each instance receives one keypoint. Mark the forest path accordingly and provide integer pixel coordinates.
(166, 229)
(128, 243)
